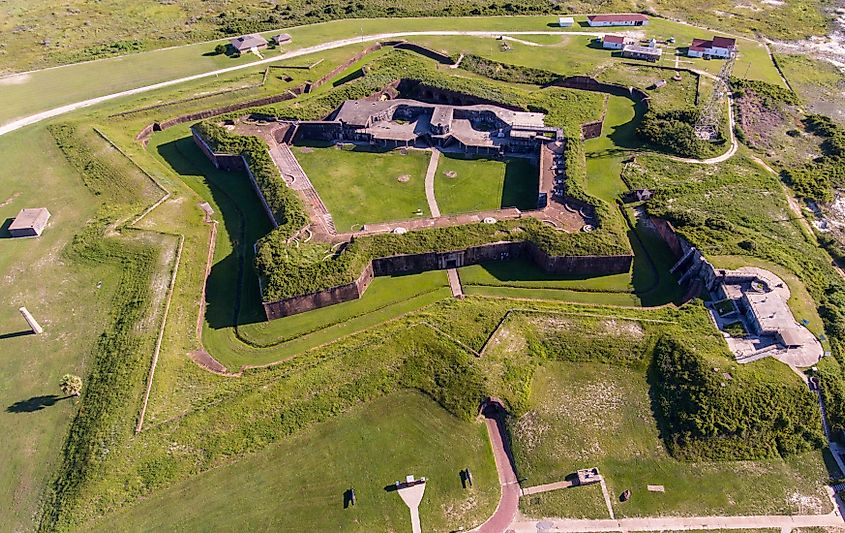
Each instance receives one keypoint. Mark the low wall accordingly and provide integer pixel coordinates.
(234, 163)
(426, 261)
(315, 300)
(321, 130)
(586, 83)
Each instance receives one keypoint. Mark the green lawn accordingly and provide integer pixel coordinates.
(466, 185)
(524, 273)
(587, 414)
(361, 187)
(299, 484)
(382, 294)
(574, 502)
(72, 299)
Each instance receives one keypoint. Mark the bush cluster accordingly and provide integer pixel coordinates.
(706, 417)
(818, 178)
(673, 131)
(769, 94)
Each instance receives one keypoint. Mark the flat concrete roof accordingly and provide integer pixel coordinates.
(358, 112)
(30, 219)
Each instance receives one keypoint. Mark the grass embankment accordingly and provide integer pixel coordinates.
(235, 330)
(465, 185)
(63, 295)
(303, 479)
(606, 421)
(120, 356)
(363, 187)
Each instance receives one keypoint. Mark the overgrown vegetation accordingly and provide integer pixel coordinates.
(673, 131)
(710, 417)
(496, 70)
(769, 94)
(818, 178)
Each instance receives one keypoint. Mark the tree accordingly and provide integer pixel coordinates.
(220, 49)
(71, 384)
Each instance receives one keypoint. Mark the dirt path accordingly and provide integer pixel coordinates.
(429, 183)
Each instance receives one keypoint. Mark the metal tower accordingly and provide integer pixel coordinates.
(707, 127)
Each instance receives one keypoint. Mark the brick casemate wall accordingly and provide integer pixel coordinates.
(426, 261)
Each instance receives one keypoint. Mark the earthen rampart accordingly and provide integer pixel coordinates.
(426, 261)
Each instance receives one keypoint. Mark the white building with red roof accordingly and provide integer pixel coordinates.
(617, 19)
(722, 47)
(613, 42)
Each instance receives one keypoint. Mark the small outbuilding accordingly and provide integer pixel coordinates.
(721, 47)
(633, 51)
(282, 38)
(29, 222)
(613, 42)
(617, 19)
(245, 43)
(565, 22)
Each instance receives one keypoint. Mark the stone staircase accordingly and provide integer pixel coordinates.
(288, 165)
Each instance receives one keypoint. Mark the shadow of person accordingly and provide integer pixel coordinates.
(36, 403)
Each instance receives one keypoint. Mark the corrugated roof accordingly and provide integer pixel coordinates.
(724, 42)
(618, 17)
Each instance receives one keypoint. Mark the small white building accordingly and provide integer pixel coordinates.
(613, 42)
(721, 47)
(565, 22)
(282, 38)
(617, 19)
(29, 222)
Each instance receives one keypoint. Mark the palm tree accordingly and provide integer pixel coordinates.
(71, 384)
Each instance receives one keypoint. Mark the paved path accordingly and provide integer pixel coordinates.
(734, 144)
(429, 183)
(455, 283)
(331, 45)
(561, 525)
(606, 495)
(509, 502)
(537, 489)
(412, 496)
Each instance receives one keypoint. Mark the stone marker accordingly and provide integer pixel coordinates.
(36, 328)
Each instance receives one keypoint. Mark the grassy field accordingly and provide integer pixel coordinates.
(361, 187)
(70, 295)
(574, 502)
(818, 83)
(589, 414)
(36, 91)
(466, 185)
(62, 296)
(302, 480)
